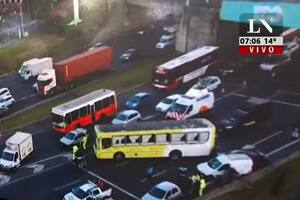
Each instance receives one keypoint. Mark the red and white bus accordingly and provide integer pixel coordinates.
(83, 111)
(185, 68)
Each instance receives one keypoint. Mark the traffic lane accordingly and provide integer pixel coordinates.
(52, 183)
(131, 173)
(18, 87)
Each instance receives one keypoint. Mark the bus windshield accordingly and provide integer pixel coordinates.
(58, 120)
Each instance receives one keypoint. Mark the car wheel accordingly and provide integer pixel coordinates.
(175, 155)
(119, 156)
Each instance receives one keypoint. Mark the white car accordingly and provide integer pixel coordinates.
(126, 117)
(210, 82)
(166, 103)
(164, 191)
(243, 161)
(6, 101)
(74, 137)
(4, 92)
(165, 41)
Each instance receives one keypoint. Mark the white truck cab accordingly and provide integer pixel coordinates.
(46, 82)
(88, 191)
(17, 148)
(34, 67)
(192, 103)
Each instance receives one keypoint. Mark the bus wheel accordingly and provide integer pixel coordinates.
(119, 156)
(175, 155)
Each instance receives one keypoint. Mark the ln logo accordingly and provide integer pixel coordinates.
(260, 34)
(263, 22)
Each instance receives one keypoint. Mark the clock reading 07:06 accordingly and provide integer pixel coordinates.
(244, 41)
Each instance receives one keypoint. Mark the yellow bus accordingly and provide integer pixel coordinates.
(174, 139)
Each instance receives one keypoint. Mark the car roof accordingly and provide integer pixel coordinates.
(210, 78)
(167, 36)
(6, 96)
(128, 112)
(227, 158)
(166, 186)
(141, 94)
(185, 100)
(131, 49)
(77, 130)
(87, 186)
(173, 96)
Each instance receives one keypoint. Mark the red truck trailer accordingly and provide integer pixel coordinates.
(66, 72)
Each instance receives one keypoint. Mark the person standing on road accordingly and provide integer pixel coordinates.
(202, 186)
(84, 143)
(74, 152)
(196, 179)
(150, 171)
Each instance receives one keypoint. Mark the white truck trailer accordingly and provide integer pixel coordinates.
(17, 148)
(34, 67)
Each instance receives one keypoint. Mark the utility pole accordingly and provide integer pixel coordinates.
(22, 23)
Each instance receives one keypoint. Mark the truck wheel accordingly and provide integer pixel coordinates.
(119, 156)
(175, 155)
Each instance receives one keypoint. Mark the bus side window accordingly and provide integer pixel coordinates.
(106, 102)
(118, 140)
(203, 137)
(148, 139)
(83, 111)
(162, 139)
(168, 137)
(178, 138)
(98, 105)
(133, 140)
(106, 143)
(193, 137)
(68, 119)
(74, 115)
(112, 99)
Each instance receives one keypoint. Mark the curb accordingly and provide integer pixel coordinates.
(44, 118)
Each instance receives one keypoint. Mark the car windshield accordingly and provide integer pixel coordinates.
(70, 136)
(7, 156)
(167, 101)
(2, 100)
(214, 163)
(79, 193)
(129, 51)
(163, 40)
(44, 83)
(179, 108)
(157, 192)
(121, 117)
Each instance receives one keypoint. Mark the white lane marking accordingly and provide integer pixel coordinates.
(227, 95)
(110, 183)
(282, 147)
(266, 138)
(122, 163)
(49, 158)
(149, 117)
(66, 185)
(155, 175)
(36, 167)
(4, 179)
(31, 175)
(275, 101)
(24, 98)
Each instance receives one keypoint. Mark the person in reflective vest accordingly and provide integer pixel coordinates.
(84, 142)
(75, 150)
(202, 186)
(195, 184)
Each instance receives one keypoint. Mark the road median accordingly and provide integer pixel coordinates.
(120, 80)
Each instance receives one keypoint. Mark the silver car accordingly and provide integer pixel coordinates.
(74, 137)
(164, 191)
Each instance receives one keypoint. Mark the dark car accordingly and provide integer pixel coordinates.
(252, 111)
(129, 54)
(137, 100)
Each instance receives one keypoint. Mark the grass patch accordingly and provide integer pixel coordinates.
(13, 56)
(138, 74)
(282, 184)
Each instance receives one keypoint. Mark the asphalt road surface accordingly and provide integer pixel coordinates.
(48, 174)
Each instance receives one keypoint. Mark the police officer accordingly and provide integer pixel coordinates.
(74, 153)
(84, 142)
(202, 186)
(196, 179)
